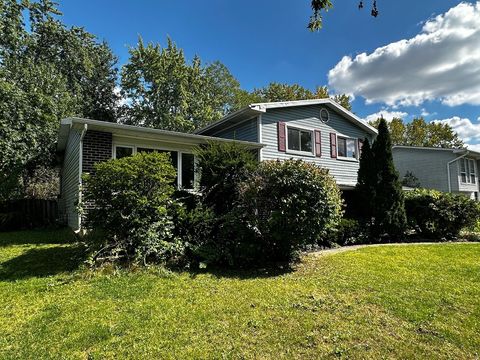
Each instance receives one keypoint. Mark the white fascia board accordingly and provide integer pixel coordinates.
(147, 133)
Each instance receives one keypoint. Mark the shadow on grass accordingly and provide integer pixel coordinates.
(42, 262)
(268, 271)
(35, 237)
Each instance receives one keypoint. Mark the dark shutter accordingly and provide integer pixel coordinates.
(333, 145)
(281, 136)
(318, 143)
(360, 146)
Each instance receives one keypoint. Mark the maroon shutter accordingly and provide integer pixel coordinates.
(360, 146)
(333, 145)
(281, 137)
(318, 143)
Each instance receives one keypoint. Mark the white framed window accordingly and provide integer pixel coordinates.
(300, 140)
(347, 148)
(468, 173)
(183, 162)
(324, 115)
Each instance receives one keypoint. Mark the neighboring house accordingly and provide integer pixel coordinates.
(320, 131)
(448, 170)
(84, 142)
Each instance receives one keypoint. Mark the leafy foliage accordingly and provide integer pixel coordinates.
(437, 215)
(47, 72)
(410, 180)
(223, 166)
(166, 92)
(420, 133)
(284, 92)
(290, 204)
(130, 199)
(379, 188)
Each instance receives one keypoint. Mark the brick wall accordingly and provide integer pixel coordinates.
(97, 147)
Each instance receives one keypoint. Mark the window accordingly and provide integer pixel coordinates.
(324, 115)
(467, 171)
(300, 140)
(347, 147)
(183, 161)
(188, 171)
(123, 151)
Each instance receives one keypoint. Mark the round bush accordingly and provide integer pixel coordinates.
(436, 215)
(290, 204)
(130, 199)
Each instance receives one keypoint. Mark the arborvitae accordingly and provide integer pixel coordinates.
(367, 181)
(388, 205)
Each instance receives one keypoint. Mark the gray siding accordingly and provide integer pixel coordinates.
(344, 171)
(429, 166)
(70, 179)
(246, 131)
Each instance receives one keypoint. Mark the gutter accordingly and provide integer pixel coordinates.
(448, 169)
(80, 169)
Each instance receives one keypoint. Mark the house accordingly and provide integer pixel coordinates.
(447, 170)
(84, 142)
(320, 131)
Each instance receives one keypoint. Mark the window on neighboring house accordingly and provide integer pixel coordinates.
(347, 147)
(300, 140)
(467, 171)
(123, 151)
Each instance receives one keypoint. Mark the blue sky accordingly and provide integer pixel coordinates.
(434, 72)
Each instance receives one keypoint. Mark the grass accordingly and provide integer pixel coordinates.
(413, 301)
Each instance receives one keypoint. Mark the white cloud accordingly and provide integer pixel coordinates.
(474, 147)
(387, 115)
(464, 127)
(441, 63)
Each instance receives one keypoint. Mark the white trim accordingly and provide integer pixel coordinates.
(180, 152)
(299, 152)
(448, 170)
(328, 117)
(80, 171)
(468, 173)
(259, 136)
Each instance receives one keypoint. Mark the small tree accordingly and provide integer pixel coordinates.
(388, 202)
(367, 181)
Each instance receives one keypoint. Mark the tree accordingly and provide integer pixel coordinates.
(367, 181)
(168, 93)
(421, 133)
(47, 72)
(318, 6)
(388, 202)
(285, 92)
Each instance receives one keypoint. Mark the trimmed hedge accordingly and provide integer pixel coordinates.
(437, 215)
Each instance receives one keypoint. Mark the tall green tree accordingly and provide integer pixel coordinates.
(367, 181)
(422, 133)
(388, 203)
(167, 92)
(47, 71)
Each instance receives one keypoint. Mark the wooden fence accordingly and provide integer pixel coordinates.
(28, 213)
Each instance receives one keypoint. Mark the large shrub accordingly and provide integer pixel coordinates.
(288, 205)
(130, 199)
(222, 167)
(437, 215)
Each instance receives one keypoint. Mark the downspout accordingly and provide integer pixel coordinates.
(80, 171)
(448, 169)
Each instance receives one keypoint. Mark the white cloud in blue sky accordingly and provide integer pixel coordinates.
(441, 63)
(387, 115)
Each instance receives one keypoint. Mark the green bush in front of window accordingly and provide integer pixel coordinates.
(290, 204)
(130, 200)
(440, 216)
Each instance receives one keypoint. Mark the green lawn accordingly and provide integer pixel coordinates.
(415, 301)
